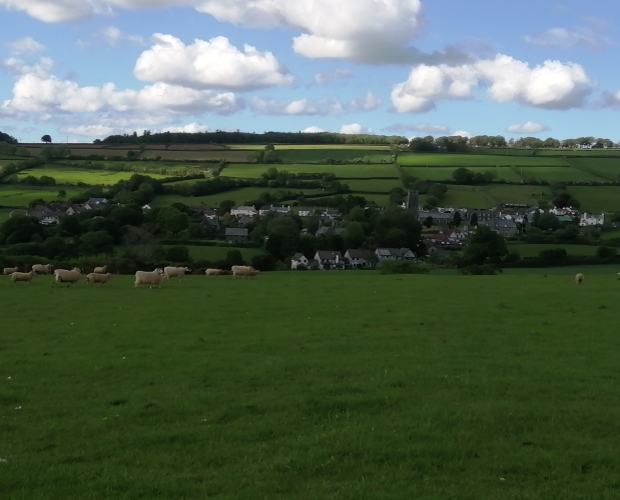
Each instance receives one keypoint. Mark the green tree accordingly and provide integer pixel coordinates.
(62, 194)
(457, 219)
(354, 235)
(606, 253)
(170, 219)
(47, 139)
(96, 242)
(428, 222)
(178, 254)
(485, 245)
(473, 220)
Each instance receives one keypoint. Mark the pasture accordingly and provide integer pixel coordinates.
(20, 196)
(214, 254)
(557, 174)
(254, 170)
(339, 385)
(73, 175)
(597, 199)
(239, 196)
(444, 173)
(473, 160)
(317, 155)
(532, 250)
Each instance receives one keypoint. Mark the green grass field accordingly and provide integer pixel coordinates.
(5, 213)
(310, 147)
(473, 160)
(312, 385)
(597, 199)
(315, 155)
(444, 173)
(532, 250)
(381, 186)
(608, 168)
(557, 174)
(20, 196)
(65, 175)
(232, 156)
(253, 171)
(219, 253)
(239, 196)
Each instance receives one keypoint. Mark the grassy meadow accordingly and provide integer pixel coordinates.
(72, 175)
(312, 385)
(11, 195)
(473, 160)
(214, 254)
(533, 249)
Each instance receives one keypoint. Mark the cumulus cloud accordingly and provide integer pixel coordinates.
(20, 67)
(367, 31)
(312, 130)
(190, 128)
(49, 94)
(215, 63)
(551, 85)
(611, 99)
(323, 78)
(526, 128)
(114, 36)
(463, 133)
(367, 102)
(305, 106)
(426, 128)
(562, 38)
(355, 128)
(26, 45)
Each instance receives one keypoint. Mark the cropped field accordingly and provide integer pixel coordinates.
(19, 196)
(253, 171)
(532, 250)
(314, 155)
(597, 198)
(64, 175)
(239, 196)
(219, 253)
(310, 147)
(556, 174)
(471, 160)
(444, 173)
(232, 156)
(314, 385)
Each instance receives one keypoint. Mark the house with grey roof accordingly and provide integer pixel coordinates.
(236, 235)
(327, 259)
(394, 254)
(241, 210)
(299, 261)
(278, 210)
(360, 259)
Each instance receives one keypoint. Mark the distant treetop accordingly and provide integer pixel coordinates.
(7, 138)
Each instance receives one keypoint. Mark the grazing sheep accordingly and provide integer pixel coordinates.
(214, 272)
(43, 268)
(149, 278)
(69, 277)
(243, 271)
(101, 270)
(176, 272)
(10, 270)
(100, 278)
(16, 276)
(579, 278)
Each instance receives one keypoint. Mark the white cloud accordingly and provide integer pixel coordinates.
(462, 133)
(32, 93)
(562, 38)
(355, 128)
(190, 128)
(312, 130)
(26, 45)
(526, 128)
(323, 78)
(209, 64)
(427, 128)
(20, 67)
(114, 36)
(551, 85)
(367, 102)
(90, 130)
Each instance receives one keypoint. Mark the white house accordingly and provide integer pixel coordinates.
(326, 259)
(242, 210)
(587, 219)
(394, 254)
(359, 259)
(281, 210)
(299, 259)
(306, 211)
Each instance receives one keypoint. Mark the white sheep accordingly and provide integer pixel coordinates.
(579, 278)
(175, 272)
(101, 270)
(10, 270)
(243, 271)
(16, 276)
(100, 278)
(214, 272)
(69, 277)
(149, 278)
(43, 268)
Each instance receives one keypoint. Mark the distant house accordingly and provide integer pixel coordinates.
(451, 236)
(96, 201)
(205, 210)
(360, 259)
(587, 219)
(242, 210)
(439, 218)
(330, 214)
(76, 209)
(281, 210)
(245, 220)
(146, 208)
(211, 225)
(306, 211)
(394, 254)
(299, 259)
(327, 259)
(50, 220)
(504, 227)
(483, 215)
(236, 235)
(438, 251)
(330, 231)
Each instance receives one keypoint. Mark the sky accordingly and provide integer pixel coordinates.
(81, 70)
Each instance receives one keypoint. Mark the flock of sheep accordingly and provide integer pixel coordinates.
(101, 276)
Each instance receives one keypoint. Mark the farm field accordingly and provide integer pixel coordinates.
(532, 250)
(219, 253)
(360, 389)
(216, 154)
(608, 168)
(444, 173)
(597, 199)
(470, 160)
(315, 155)
(5, 213)
(556, 174)
(579, 152)
(20, 196)
(239, 196)
(377, 185)
(72, 175)
(253, 171)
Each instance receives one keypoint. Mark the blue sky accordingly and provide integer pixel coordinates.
(84, 69)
